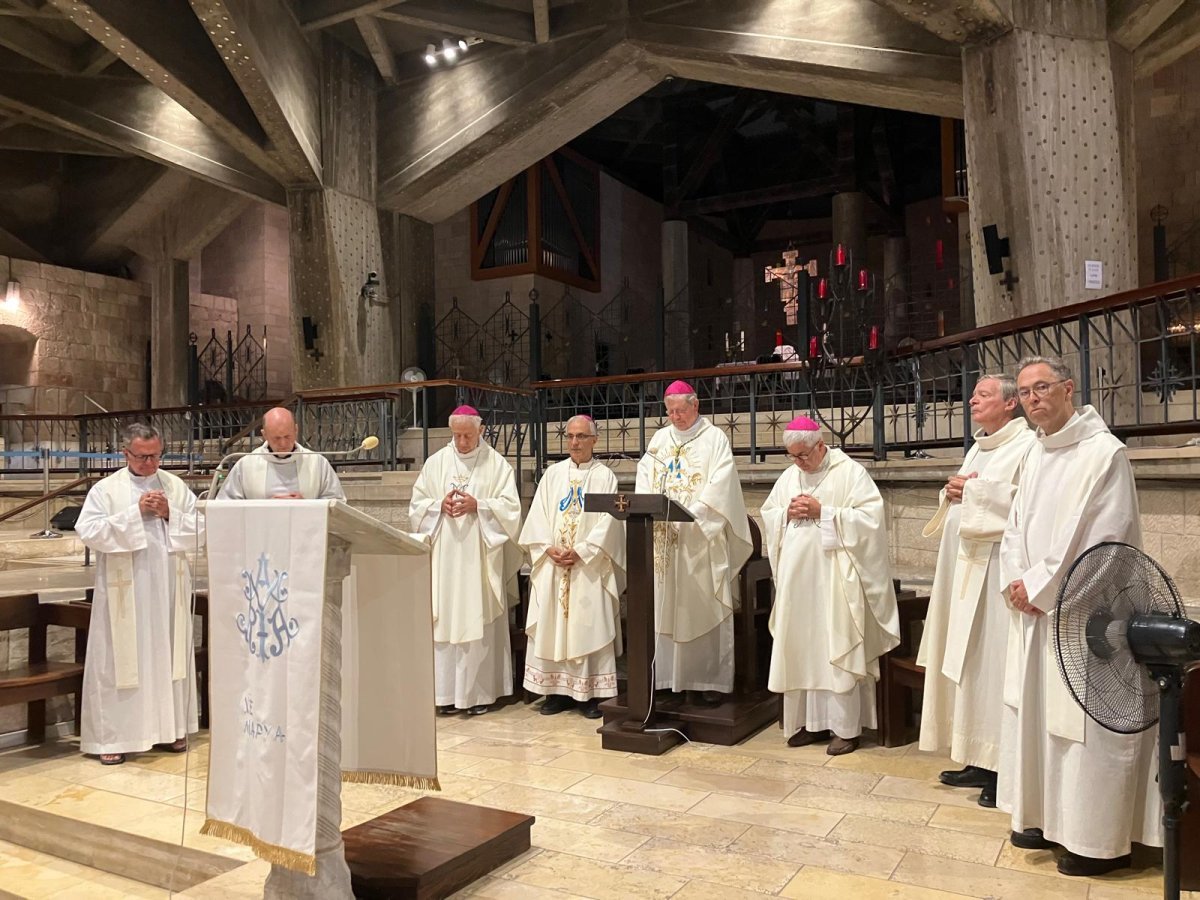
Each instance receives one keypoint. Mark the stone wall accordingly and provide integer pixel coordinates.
(91, 335)
(211, 313)
(1167, 128)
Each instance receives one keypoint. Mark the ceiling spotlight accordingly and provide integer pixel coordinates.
(449, 50)
(463, 45)
(430, 55)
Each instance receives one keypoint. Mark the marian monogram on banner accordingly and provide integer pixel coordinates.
(265, 626)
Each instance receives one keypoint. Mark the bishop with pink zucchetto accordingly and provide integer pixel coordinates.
(466, 501)
(695, 564)
(835, 610)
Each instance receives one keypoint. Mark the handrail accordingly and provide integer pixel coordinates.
(353, 393)
(1060, 314)
(718, 372)
(45, 498)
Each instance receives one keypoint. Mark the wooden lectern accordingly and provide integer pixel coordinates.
(635, 731)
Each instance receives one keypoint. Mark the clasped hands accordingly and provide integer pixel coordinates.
(1018, 597)
(954, 487)
(563, 557)
(804, 506)
(155, 503)
(458, 503)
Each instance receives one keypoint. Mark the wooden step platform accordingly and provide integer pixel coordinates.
(728, 723)
(431, 848)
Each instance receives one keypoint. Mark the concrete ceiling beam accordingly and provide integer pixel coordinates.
(24, 136)
(185, 227)
(466, 18)
(277, 71)
(473, 126)
(316, 14)
(378, 47)
(34, 44)
(1176, 37)
(541, 21)
(958, 21)
(139, 119)
(1130, 22)
(165, 43)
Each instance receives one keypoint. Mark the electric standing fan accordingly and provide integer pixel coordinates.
(1122, 643)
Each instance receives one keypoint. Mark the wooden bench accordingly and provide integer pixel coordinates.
(899, 675)
(39, 679)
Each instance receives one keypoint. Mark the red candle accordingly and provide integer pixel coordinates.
(839, 255)
(778, 338)
(873, 342)
(939, 254)
(862, 279)
(822, 289)
(812, 347)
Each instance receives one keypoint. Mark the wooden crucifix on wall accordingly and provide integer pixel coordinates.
(786, 275)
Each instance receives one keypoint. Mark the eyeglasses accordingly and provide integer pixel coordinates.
(1039, 390)
(804, 457)
(579, 437)
(144, 457)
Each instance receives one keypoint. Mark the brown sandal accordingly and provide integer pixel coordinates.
(112, 759)
(177, 746)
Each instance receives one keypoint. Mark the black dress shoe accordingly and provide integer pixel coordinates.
(987, 796)
(1074, 864)
(447, 710)
(804, 737)
(555, 703)
(478, 710)
(1031, 839)
(591, 709)
(971, 776)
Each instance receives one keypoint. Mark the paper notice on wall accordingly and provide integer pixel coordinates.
(1093, 274)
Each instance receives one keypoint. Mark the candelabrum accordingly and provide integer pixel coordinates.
(845, 347)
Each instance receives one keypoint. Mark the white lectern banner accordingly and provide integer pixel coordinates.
(266, 577)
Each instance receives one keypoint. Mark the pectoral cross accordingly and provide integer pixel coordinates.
(786, 276)
(621, 503)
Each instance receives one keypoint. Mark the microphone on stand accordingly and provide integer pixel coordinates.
(370, 442)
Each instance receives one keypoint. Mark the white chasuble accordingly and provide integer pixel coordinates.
(267, 598)
(835, 610)
(573, 624)
(696, 564)
(475, 563)
(1089, 789)
(261, 475)
(139, 685)
(965, 636)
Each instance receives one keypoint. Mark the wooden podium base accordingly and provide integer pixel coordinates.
(431, 848)
(726, 724)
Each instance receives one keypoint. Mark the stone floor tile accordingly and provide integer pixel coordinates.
(623, 790)
(596, 880)
(630, 767)
(804, 849)
(542, 777)
(589, 841)
(911, 812)
(536, 802)
(813, 883)
(977, 820)
(784, 816)
(991, 882)
(683, 827)
(929, 790)
(763, 874)
(537, 755)
(920, 838)
(751, 786)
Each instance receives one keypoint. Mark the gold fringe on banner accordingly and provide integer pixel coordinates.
(272, 853)
(395, 779)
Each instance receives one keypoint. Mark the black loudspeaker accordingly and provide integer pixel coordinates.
(996, 248)
(66, 517)
(310, 332)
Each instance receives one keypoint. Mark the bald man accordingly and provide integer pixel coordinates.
(277, 471)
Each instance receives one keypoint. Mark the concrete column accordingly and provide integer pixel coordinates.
(895, 290)
(408, 268)
(745, 288)
(170, 310)
(676, 293)
(1049, 126)
(850, 225)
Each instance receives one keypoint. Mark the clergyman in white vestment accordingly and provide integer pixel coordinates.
(1064, 778)
(966, 628)
(835, 610)
(139, 680)
(466, 500)
(276, 470)
(696, 564)
(575, 582)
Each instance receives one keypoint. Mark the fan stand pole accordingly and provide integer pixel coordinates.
(1172, 773)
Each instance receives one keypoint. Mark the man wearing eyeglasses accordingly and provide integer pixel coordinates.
(835, 610)
(966, 629)
(139, 681)
(1065, 779)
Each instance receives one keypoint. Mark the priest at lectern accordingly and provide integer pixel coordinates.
(465, 500)
(696, 564)
(281, 469)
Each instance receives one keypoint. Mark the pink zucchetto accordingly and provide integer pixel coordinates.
(678, 387)
(803, 423)
(465, 411)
